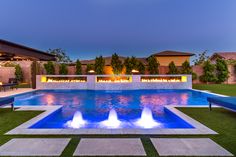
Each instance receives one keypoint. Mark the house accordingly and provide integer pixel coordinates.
(165, 57)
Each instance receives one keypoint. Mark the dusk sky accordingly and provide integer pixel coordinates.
(88, 28)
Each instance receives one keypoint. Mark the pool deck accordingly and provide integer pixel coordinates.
(15, 92)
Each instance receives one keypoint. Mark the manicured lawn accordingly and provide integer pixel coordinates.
(220, 120)
(226, 89)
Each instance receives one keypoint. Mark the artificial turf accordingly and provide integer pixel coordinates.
(225, 89)
(220, 120)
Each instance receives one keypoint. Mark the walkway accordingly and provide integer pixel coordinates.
(112, 147)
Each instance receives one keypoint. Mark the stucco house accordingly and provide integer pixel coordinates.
(165, 57)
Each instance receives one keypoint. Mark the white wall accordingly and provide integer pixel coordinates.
(93, 85)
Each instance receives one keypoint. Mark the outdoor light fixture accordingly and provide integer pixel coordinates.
(135, 71)
(91, 71)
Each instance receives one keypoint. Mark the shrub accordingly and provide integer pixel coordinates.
(222, 72)
(186, 68)
(128, 66)
(63, 70)
(208, 72)
(172, 68)
(78, 67)
(140, 67)
(49, 67)
(99, 65)
(116, 64)
(194, 76)
(18, 73)
(153, 65)
(89, 67)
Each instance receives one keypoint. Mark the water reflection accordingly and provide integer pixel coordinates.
(49, 99)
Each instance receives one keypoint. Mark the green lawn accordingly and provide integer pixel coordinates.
(220, 120)
(226, 89)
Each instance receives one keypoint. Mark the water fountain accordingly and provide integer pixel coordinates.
(112, 121)
(146, 121)
(77, 121)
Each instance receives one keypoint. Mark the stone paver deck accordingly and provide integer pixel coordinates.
(188, 147)
(34, 147)
(15, 91)
(110, 147)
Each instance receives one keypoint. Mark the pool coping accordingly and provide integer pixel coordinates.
(24, 129)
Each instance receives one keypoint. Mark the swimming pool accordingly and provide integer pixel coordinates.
(112, 109)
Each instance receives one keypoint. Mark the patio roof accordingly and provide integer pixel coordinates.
(10, 51)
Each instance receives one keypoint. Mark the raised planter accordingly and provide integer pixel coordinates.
(114, 82)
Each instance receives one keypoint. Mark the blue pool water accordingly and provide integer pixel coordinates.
(128, 109)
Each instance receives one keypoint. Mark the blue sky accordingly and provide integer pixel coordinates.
(88, 28)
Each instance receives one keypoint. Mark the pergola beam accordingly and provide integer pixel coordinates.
(13, 49)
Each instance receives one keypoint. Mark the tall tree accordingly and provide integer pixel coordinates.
(172, 68)
(60, 54)
(99, 65)
(78, 67)
(50, 68)
(201, 58)
(63, 70)
(222, 72)
(208, 72)
(116, 64)
(153, 65)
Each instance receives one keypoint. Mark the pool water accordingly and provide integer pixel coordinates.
(112, 109)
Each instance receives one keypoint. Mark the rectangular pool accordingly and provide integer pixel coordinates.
(112, 109)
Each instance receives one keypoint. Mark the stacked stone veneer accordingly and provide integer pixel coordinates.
(136, 83)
